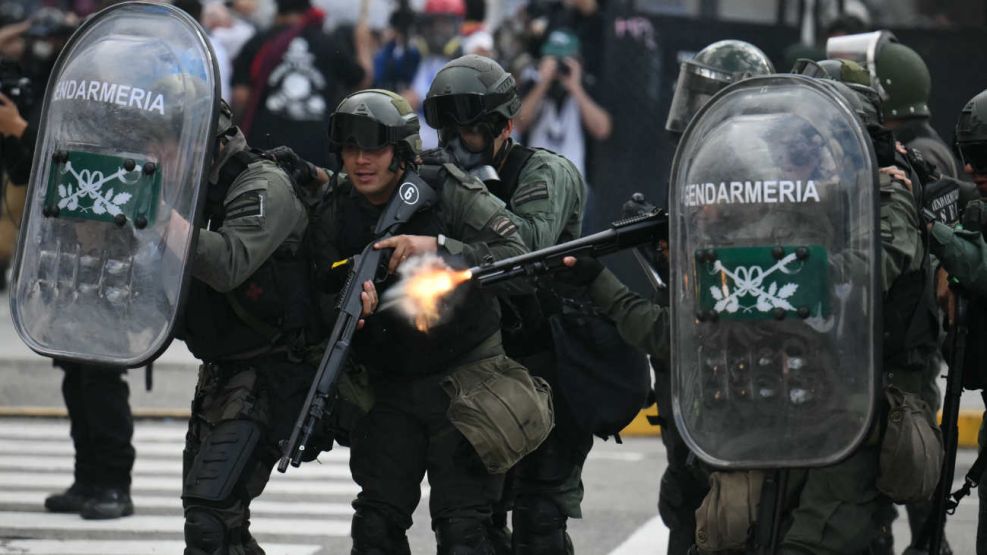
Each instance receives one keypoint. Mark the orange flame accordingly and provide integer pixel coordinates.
(425, 282)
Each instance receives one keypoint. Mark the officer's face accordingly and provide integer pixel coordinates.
(979, 178)
(369, 171)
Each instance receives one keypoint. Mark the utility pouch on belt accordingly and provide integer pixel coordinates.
(911, 450)
(504, 412)
(727, 514)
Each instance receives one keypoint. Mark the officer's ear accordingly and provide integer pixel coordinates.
(505, 133)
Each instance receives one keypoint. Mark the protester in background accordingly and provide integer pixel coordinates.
(439, 28)
(285, 79)
(396, 63)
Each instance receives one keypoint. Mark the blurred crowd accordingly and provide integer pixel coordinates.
(284, 65)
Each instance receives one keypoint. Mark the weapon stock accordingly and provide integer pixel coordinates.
(623, 234)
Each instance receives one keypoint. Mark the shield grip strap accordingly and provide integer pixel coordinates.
(222, 458)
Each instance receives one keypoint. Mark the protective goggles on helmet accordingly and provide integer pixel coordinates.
(461, 109)
(364, 132)
(974, 154)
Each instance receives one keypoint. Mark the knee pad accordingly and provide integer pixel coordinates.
(539, 528)
(205, 533)
(374, 534)
(462, 536)
(220, 461)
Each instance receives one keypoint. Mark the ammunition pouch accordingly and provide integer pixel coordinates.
(727, 514)
(911, 449)
(503, 411)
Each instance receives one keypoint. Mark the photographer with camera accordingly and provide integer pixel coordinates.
(557, 112)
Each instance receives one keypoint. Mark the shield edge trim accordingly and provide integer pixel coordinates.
(875, 286)
(155, 351)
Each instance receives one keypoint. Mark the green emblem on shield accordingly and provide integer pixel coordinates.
(758, 283)
(90, 186)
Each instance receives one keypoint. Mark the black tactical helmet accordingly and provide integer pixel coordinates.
(905, 79)
(373, 119)
(469, 90)
(971, 133)
(712, 69)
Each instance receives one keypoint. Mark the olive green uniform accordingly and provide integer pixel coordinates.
(407, 432)
(645, 325)
(837, 505)
(244, 401)
(546, 204)
(963, 253)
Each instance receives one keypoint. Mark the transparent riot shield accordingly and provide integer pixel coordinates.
(122, 155)
(774, 212)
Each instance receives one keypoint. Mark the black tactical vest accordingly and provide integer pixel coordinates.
(342, 227)
(270, 311)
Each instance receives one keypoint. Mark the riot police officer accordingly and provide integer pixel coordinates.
(247, 319)
(431, 407)
(963, 254)
(905, 79)
(684, 483)
(472, 102)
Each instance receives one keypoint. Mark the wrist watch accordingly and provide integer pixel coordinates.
(441, 240)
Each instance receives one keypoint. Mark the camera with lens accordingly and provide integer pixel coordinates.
(15, 85)
(563, 68)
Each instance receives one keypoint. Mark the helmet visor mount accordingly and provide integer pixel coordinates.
(975, 154)
(696, 85)
(361, 131)
(461, 109)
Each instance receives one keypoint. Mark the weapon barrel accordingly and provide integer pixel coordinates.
(950, 433)
(335, 356)
(623, 234)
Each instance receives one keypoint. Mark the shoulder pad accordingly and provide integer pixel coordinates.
(456, 173)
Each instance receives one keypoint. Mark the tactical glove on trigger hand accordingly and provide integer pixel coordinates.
(583, 273)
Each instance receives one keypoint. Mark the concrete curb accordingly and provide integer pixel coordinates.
(968, 424)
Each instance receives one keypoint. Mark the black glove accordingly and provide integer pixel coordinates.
(942, 198)
(582, 274)
(975, 216)
(302, 172)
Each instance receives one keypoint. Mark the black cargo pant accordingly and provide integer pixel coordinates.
(240, 412)
(97, 399)
(683, 485)
(405, 436)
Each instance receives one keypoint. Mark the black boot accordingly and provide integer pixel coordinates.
(70, 500)
(107, 503)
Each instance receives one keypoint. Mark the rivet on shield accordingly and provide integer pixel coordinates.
(778, 313)
(140, 222)
(709, 256)
(712, 316)
(120, 219)
(803, 312)
(149, 168)
(802, 253)
(700, 315)
(59, 157)
(778, 253)
(46, 212)
(129, 165)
